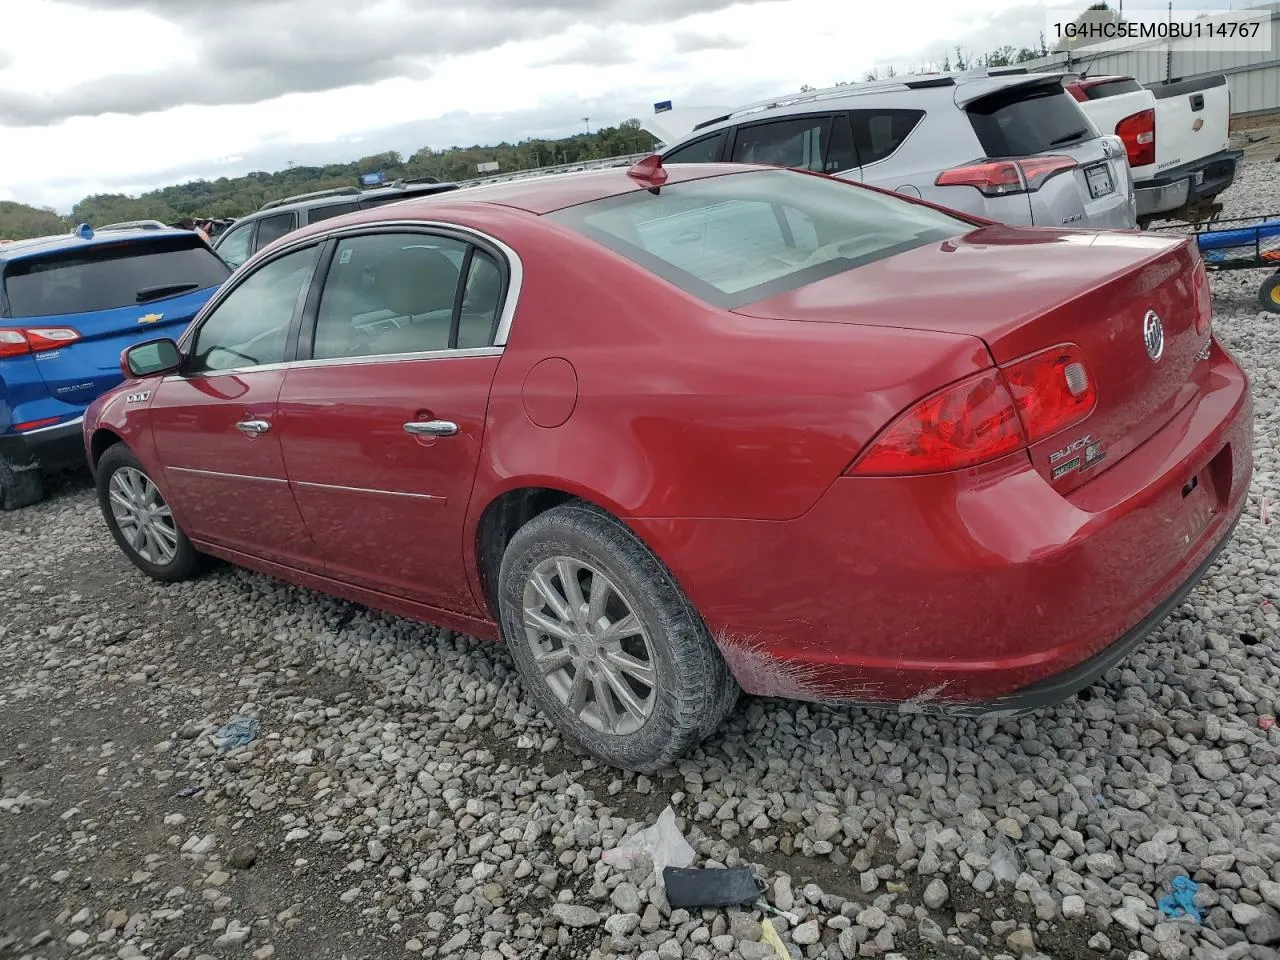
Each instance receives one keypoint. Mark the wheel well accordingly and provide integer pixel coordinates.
(501, 519)
(101, 442)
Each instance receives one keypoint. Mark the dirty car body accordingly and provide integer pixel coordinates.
(868, 449)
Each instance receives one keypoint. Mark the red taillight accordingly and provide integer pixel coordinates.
(965, 424)
(1138, 131)
(1204, 297)
(985, 416)
(36, 424)
(996, 178)
(16, 341)
(1051, 390)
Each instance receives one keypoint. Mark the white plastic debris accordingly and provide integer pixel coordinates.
(662, 843)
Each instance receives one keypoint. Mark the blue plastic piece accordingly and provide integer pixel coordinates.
(84, 231)
(1238, 237)
(238, 732)
(1182, 900)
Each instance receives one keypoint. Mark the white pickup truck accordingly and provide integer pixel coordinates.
(1176, 135)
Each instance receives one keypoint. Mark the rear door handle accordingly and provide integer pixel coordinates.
(251, 428)
(431, 428)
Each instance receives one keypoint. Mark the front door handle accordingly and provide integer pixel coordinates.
(431, 428)
(251, 428)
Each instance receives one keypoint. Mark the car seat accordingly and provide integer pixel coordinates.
(419, 284)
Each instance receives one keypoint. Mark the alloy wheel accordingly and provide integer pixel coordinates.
(589, 646)
(144, 519)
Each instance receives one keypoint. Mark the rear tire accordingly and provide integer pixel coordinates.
(619, 660)
(19, 486)
(1269, 293)
(140, 520)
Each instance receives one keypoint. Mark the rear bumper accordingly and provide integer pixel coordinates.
(977, 590)
(1195, 182)
(59, 447)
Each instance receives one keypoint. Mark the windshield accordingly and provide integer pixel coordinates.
(110, 275)
(734, 239)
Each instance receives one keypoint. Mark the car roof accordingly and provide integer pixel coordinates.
(40, 246)
(310, 201)
(959, 87)
(536, 195)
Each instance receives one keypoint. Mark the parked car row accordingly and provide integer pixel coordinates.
(1005, 144)
(593, 414)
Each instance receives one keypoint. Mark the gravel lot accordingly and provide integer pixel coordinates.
(400, 798)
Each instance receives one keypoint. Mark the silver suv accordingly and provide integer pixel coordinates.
(1007, 145)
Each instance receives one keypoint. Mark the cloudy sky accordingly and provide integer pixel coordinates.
(126, 95)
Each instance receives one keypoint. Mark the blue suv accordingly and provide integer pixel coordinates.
(68, 306)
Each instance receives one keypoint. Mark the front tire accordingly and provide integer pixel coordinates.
(606, 643)
(139, 519)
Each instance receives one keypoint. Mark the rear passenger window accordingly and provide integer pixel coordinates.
(393, 293)
(878, 133)
(840, 150)
(273, 228)
(706, 150)
(798, 142)
(481, 302)
(317, 214)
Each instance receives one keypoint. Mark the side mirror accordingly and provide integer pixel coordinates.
(152, 358)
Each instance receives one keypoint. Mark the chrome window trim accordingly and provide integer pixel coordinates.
(515, 276)
(345, 361)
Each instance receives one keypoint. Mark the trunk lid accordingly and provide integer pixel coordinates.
(1021, 291)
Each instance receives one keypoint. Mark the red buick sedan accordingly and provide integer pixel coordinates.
(676, 433)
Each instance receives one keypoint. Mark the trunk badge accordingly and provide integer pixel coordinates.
(1153, 335)
(151, 318)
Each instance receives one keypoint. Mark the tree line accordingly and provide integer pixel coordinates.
(236, 196)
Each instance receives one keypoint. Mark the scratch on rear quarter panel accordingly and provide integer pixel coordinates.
(761, 673)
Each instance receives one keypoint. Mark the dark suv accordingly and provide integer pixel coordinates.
(253, 232)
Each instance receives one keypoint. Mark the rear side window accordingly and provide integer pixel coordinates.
(316, 214)
(1026, 120)
(273, 228)
(1111, 88)
(803, 142)
(706, 150)
(739, 238)
(110, 276)
(878, 133)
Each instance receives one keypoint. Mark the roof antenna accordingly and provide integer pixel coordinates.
(650, 170)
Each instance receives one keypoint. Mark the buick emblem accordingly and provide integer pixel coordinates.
(1153, 335)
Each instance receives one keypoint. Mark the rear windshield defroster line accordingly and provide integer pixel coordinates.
(732, 240)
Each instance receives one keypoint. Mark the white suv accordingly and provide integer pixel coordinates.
(1007, 145)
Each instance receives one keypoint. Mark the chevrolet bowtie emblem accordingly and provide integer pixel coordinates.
(151, 318)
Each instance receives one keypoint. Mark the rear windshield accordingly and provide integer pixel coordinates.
(734, 239)
(109, 276)
(1022, 121)
(1112, 88)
